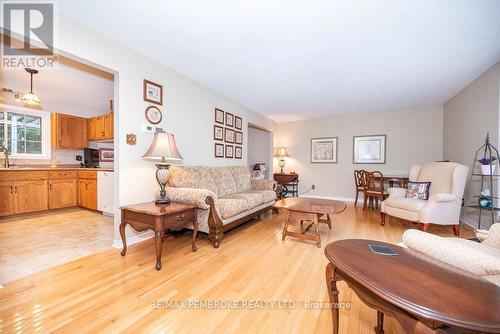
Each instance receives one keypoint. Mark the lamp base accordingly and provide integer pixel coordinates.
(160, 200)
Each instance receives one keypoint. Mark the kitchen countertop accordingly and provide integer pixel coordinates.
(27, 169)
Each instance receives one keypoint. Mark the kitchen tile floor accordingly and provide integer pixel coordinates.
(30, 243)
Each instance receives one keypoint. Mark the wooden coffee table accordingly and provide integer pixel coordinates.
(308, 210)
(424, 295)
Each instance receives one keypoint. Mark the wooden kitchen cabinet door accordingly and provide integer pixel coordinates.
(91, 129)
(68, 132)
(62, 193)
(87, 194)
(108, 126)
(99, 128)
(30, 196)
(6, 198)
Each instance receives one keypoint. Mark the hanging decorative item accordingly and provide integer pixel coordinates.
(131, 139)
(153, 115)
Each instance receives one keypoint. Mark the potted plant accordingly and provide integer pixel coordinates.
(487, 166)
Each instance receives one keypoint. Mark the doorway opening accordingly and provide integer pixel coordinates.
(259, 152)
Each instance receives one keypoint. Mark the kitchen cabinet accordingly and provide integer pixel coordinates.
(100, 127)
(87, 189)
(105, 184)
(68, 132)
(62, 193)
(30, 196)
(87, 194)
(6, 198)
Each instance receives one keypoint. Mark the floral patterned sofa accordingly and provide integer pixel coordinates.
(226, 196)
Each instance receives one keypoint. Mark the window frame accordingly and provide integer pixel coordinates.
(45, 115)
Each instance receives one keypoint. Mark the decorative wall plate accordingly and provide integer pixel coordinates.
(153, 115)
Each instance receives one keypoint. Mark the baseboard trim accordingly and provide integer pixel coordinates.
(334, 198)
(133, 239)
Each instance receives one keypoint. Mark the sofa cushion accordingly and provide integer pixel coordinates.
(251, 199)
(242, 178)
(197, 177)
(224, 182)
(405, 203)
(229, 207)
(267, 195)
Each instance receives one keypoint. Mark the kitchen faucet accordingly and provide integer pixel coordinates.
(6, 153)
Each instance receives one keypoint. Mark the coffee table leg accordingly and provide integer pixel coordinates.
(380, 323)
(316, 225)
(329, 219)
(333, 295)
(285, 226)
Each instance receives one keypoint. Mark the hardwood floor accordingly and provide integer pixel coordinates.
(105, 292)
(30, 243)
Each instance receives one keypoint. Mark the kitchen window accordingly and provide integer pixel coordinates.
(25, 132)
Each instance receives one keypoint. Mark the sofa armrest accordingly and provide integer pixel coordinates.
(443, 197)
(397, 192)
(259, 184)
(192, 196)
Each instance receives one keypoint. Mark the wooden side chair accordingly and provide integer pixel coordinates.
(374, 189)
(359, 181)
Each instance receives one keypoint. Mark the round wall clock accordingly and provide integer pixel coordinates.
(153, 115)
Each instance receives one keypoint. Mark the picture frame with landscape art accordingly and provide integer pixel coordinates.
(153, 92)
(324, 150)
(369, 149)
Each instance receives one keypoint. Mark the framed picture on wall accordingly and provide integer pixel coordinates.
(239, 138)
(228, 135)
(218, 132)
(219, 116)
(153, 92)
(238, 123)
(229, 119)
(369, 149)
(219, 150)
(238, 152)
(229, 151)
(106, 154)
(324, 150)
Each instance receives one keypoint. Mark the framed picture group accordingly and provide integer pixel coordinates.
(369, 149)
(228, 135)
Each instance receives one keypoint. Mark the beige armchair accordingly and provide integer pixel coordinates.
(445, 196)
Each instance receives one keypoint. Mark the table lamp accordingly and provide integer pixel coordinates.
(162, 148)
(281, 154)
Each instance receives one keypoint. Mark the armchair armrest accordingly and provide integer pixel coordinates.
(263, 184)
(397, 192)
(443, 197)
(192, 196)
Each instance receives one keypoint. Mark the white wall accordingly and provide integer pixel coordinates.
(468, 116)
(414, 136)
(259, 148)
(188, 111)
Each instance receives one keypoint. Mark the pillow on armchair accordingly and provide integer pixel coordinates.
(418, 190)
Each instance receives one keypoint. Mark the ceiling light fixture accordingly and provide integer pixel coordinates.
(31, 98)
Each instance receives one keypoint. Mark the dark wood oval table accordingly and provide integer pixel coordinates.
(424, 295)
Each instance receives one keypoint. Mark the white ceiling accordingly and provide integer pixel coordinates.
(72, 88)
(291, 59)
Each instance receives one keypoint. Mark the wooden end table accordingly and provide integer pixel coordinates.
(310, 210)
(160, 218)
(424, 295)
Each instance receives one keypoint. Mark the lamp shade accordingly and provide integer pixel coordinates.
(163, 148)
(282, 152)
